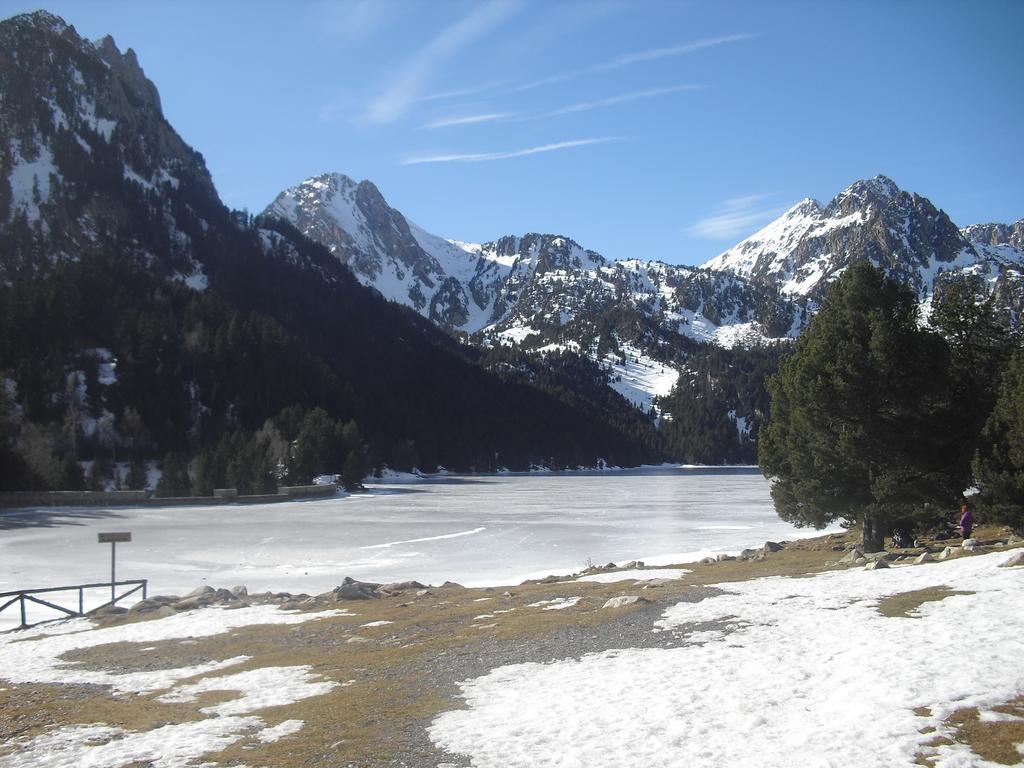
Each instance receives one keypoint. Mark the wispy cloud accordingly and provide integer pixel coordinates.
(612, 101)
(735, 217)
(460, 92)
(632, 58)
(407, 85)
(676, 50)
(479, 157)
(569, 109)
(470, 119)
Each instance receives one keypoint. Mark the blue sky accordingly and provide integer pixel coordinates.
(655, 130)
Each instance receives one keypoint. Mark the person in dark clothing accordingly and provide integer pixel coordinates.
(966, 521)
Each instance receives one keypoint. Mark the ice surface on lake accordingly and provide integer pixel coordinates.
(484, 530)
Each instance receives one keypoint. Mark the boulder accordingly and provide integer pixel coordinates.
(552, 579)
(747, 554)
(397, 587)
(200, 591)
(452, 584)
(656, 583)
(881, 555)
(630, 564)
(924, 557)
(196, 601)
(1015, 560)
(875, 565)
(143, 606)
(107, 610)
(970, 543)
(725, 558)
(950, 552)
(624, 600)
(226, 596)
(772, 546)
(708, 560)
(350, 589)
(851, 556)
(240, 591)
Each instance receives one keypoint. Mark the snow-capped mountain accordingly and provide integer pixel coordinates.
(142, 316)
(810, 245)
(538, 291)
(70, 107)
(546, 292)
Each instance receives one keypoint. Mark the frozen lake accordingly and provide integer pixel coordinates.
(478, 531)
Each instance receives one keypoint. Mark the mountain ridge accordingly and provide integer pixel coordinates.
(146, 320)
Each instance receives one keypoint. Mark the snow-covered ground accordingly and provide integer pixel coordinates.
(478, 531)
(641, 378)
(802, 671)
(35, 657)
(770, 672)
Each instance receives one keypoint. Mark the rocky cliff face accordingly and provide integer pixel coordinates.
(85, 148)
(873, 220)
(514, 285)
(546, 292)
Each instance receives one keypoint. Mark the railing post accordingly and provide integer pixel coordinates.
(81, 602)
(113, 585)
(145, 582)
(23, 622)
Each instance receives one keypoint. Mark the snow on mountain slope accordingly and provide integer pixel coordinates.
(640, 378)
(809, 246)
(769, 248)
(447, 281)
(538, 291)
(543, 291)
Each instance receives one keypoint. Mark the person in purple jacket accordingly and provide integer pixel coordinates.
(966, 521)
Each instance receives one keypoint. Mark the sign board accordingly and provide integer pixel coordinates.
(117, 536)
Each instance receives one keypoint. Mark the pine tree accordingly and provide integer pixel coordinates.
(136, 480)
(980, 345)
(999, 463)
(174, 480)
(857, 419)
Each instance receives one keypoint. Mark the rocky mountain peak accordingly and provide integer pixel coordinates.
(995, 234)
(864, 195)
(43, 20)
(81, 105)
(126, 66)
(806, 207)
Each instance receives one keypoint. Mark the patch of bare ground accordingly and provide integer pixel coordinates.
(394, 677)
(905, 604)
(997, 740)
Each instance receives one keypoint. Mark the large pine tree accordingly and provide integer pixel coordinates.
(857, 422)
(999, 464)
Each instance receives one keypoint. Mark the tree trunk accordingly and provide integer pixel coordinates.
(874, 537)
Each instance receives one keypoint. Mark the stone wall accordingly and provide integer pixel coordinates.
(143, 499)
(71, 498)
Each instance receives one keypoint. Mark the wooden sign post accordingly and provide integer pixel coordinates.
(113, 538)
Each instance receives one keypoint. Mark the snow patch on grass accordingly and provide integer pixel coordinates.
(635, 574)
(35, 656)
(803, 666)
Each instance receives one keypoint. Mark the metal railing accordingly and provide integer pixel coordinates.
(22, 595)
